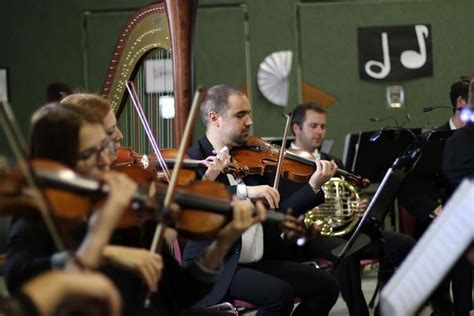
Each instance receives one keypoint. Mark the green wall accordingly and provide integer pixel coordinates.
(71, 41)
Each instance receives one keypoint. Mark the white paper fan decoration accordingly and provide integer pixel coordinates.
(272, 77)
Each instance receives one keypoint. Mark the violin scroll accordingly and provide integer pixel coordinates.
(235, 169)
(72, 197)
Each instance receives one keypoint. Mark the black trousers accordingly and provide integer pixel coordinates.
(272, 285)
(394, 248)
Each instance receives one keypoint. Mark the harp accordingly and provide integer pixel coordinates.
(154, 50)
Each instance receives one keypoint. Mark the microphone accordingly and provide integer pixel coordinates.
(378, 134)
(408, 116)
(377, 119)
(382, 119)
(398, 127)
(375, 136)
(431, 108)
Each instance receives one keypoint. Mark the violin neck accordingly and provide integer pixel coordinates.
(187, 163)
(273, 216)
(196, 201)
(291, 155)
(189, 200)
(82, 185)
(67, 180)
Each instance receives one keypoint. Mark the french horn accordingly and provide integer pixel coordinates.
(338, 215)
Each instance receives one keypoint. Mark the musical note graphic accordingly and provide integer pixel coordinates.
(383, 66)
(413, 59)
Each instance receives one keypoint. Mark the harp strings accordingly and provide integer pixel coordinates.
(134, 135)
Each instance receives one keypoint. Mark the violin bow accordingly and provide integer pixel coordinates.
(171, 190)
(21, 152)
(282, 152)
(141, 115)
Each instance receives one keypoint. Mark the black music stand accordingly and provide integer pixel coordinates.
(369, 228)
(371, 153)
(432, 146)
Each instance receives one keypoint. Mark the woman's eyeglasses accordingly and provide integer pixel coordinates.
(108, 147)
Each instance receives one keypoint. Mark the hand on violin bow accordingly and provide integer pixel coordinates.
(215, 165)
(53, 289)
(122, 189)
(270, 194)
(245, 214)
(141, 261)
(325, 170)
(102, 223)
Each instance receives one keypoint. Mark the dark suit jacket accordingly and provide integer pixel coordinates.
(458, 156)
(457, 165)
(30, 250)
(300, 197)
(421, 195)
(444, 127)
(329, 157)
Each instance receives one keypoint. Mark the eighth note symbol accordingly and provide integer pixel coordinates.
(412, 59)
(384, 67)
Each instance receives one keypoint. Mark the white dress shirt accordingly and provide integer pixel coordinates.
(315, 153)
(252, 238)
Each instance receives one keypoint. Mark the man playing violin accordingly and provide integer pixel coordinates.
(76, 138)
(250, 272)
(308, 124)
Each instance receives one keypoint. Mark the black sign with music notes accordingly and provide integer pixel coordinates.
(395, 52)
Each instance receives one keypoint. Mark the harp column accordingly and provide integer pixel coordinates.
(182, 15)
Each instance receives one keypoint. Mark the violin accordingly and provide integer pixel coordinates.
(205, 208)
(72, 197)
(261, 157)
(145, 169)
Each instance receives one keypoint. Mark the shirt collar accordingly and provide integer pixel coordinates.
(315, 153)
(451, 124)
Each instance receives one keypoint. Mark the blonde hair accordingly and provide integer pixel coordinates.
(101, 106)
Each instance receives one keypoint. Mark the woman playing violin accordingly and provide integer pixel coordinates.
(269, 283)
(76, 137)
(102, 108)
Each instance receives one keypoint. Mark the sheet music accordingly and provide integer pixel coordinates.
(3, 85)
(433, 256)
(345, 155)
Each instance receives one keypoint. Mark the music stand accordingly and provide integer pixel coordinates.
(369, 226)
(390, 143)
(432, 147)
